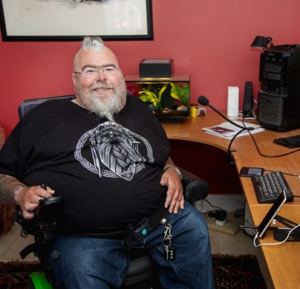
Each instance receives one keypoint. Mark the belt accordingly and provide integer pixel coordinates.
(134, 232)
(142, 229)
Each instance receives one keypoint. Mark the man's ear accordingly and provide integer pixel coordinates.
(74, 78)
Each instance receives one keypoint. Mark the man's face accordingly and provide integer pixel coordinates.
(98, 82)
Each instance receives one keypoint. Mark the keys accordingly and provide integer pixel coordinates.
(167, 242)
(170, 253)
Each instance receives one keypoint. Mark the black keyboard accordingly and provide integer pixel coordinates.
(269, 186)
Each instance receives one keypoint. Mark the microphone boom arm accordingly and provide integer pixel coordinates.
(229, 120)
(229, 151)
(204, 101)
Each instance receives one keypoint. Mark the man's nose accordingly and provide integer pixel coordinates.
(101, 74)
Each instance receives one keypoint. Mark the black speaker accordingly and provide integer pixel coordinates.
(156, 68)
(248, 100)
(279, 99)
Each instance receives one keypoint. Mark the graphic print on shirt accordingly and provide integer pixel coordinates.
(114, 150)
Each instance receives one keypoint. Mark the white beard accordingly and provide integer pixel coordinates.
(113, 103)
(106, 109)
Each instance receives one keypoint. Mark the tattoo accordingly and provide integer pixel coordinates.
(169, 162)
(7, 185)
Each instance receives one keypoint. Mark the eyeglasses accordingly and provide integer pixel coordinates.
(93, 72)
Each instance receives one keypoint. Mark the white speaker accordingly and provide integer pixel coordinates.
(233, 101)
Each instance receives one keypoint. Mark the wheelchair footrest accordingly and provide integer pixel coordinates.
(40, 281)
(27, 250)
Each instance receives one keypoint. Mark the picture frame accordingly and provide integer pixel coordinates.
(71, 20)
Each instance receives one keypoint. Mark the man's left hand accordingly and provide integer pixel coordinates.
(175, 198)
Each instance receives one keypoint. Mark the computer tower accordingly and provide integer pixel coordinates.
(279, 98)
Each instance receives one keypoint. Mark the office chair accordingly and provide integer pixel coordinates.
(141, 273)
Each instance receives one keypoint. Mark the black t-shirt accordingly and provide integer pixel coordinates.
(108, 175)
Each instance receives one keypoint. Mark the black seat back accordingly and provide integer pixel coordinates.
(28, 104)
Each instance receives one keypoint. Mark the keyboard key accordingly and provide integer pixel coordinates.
(269, 186)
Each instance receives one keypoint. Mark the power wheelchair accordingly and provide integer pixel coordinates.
(141, 273)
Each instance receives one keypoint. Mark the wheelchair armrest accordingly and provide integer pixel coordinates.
(194, 188)
(41, 227)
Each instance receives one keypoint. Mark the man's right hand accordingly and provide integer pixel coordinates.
(28, 198)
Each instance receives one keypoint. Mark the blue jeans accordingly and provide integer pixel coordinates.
(101, 263)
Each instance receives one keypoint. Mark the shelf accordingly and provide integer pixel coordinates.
(176, 78)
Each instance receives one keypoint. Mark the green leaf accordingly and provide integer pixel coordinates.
(148, 96)
(162, 91)
(176, 91)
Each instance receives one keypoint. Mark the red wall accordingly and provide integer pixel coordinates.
(209, 40)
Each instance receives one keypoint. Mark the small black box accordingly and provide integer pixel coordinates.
(156, 68)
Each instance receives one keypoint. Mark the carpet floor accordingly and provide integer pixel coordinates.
(231, 272)
(240, 272)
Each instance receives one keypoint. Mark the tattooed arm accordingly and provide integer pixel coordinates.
(8, 185)
(26, 197)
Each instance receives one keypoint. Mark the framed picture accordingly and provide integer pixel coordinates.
(71, 20)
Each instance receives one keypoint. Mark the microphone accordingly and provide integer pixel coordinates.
(204, 101)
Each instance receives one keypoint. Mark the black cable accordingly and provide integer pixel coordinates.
(214, 207)
(263, 155)
(229, 158)
(274, 156)
(288, 174)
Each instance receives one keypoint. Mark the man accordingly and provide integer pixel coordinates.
(109, 157)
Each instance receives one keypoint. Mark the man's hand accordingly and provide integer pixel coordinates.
(175, 198)
(28, 199)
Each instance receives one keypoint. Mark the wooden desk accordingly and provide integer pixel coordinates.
(282, 260)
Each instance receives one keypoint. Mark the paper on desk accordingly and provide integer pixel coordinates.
(228, 130)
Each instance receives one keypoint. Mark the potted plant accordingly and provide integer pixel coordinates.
(154, 94)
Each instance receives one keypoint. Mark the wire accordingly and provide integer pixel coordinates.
(274, 244)
(214, 207)
(257, 148)
(268, 156)
(229, 151)
(288, 174)
(234, 199)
